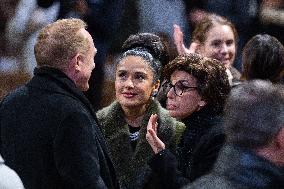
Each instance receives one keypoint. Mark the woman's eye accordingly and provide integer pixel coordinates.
(230, 42)
(122, 75)
(140, 77)
(181, 87)
(216, 44)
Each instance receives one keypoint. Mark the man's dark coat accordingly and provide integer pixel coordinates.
(50, 136)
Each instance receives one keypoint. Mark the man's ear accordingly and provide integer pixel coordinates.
(73, 67)
(76, 62)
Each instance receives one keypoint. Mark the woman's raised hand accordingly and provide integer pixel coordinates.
(151, 136)
(179, 42)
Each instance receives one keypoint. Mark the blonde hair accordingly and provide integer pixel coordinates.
(58, 42)
(202, 28)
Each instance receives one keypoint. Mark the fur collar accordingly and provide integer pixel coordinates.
(131, 166)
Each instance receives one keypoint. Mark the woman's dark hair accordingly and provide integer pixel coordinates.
(212, 81)
(152, 42)
(263, 58)
(154, 64)
(148, 46)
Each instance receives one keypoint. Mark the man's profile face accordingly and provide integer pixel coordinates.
(87, 63)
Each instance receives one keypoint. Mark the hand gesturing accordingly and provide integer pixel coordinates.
(151, 136)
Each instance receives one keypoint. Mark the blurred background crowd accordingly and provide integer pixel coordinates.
(110, 22)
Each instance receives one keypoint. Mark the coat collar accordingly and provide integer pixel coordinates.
(60, 84)
(132, 165)
(202, 119)
(247, 168)
(198, 124)
(55, 81)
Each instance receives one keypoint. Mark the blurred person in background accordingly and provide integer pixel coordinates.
(8, 80)
(244, 14)
(22, 30)
(152, 14)
(263, 58)
(20, 23)
(272, 18)
(7, 11)
(213, 37)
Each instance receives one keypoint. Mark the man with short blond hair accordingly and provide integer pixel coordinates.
(59, 41)
(49, 131)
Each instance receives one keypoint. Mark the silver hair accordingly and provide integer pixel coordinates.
(254, 113)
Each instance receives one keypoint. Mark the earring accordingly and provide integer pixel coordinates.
(76, 70)
(154, 93)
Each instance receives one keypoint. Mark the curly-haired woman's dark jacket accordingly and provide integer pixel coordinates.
(131, 165)
(197, 151)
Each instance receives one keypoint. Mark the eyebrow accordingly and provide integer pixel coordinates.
(185, 83)
(140, 73)
(182, 80)
(231, 40)
(136, 72)
(121, 71)
(216, 40)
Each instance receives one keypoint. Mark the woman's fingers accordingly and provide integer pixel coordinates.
(152, 123)
(155, 142)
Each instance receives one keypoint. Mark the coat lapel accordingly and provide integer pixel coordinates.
(132, 165)
(63, 85)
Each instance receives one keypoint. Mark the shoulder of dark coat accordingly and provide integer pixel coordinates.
(26, 97)
(210, 181)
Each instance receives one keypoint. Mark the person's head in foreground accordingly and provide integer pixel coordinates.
(255, 119)
(67, 46)
(254, 154)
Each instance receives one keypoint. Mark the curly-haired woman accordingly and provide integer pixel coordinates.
(198, 88)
